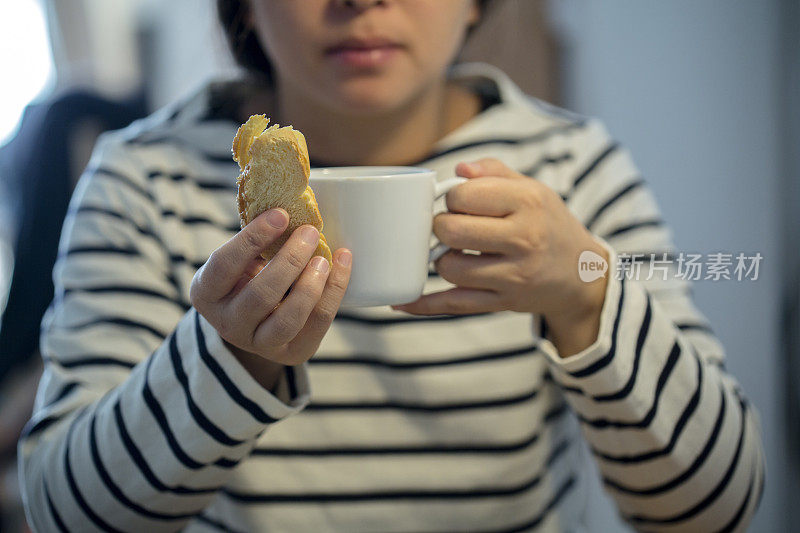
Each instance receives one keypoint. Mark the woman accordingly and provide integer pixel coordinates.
(175, 396)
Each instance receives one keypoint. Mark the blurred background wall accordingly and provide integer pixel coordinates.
(693, 88)
(701, 91)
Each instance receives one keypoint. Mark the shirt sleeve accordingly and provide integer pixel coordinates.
(677, 443)
(142, 413)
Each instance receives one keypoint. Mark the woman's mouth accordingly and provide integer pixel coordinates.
(363, 53)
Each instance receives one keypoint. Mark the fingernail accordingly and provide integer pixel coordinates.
(309, 234)
(277, 218)
(320, 264)
(473, 168)
(345, 258)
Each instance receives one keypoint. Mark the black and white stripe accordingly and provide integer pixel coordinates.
(145, 420)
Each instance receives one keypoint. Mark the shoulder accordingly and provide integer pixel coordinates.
(518, 118)
(179, 152)
(573, 154)
(184, 137)
(532, 136)
(558, 125)
(192, 124)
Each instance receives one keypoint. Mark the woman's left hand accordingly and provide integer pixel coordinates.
(530, 244)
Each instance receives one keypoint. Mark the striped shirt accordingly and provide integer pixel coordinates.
(144, 421)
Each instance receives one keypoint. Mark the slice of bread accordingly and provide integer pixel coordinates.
(274, 173)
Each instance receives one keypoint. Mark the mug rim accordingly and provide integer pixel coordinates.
(367, 172)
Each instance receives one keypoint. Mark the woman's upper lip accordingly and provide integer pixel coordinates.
(362, 44)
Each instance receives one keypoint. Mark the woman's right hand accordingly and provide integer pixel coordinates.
(243, 297)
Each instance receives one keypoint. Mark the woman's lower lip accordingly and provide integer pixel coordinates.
(364, 57)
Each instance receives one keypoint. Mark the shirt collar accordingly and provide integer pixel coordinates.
(201, 119)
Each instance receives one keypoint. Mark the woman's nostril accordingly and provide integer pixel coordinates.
(362, 4)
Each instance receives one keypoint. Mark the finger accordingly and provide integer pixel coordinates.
(309, 338)
(486, 167)
(286, 320)
(265, 291)
(490, 196)
(250, 272)
(228, 263)
(469, 232)
(457, 301)
(473, 271)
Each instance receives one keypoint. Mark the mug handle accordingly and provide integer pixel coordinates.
(440, 190)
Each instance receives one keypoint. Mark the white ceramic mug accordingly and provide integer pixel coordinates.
(384, 215)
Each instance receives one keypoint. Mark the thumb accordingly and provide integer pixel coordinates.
(485, 167)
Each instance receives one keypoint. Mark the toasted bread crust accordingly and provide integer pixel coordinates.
(275, 170)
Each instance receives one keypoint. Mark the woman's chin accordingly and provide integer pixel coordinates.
(369, 98)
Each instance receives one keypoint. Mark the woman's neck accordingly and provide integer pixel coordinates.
(402, 136)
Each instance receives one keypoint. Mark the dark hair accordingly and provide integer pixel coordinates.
(243, 42)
